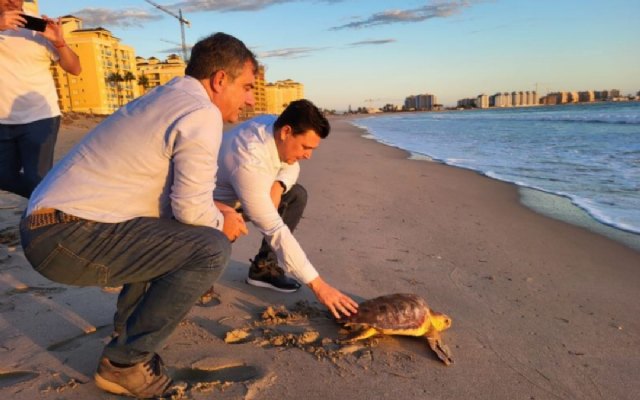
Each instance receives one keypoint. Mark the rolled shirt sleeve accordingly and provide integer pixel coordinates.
(288, 175)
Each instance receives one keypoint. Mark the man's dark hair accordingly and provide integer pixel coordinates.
(301, 116)
(219, 52)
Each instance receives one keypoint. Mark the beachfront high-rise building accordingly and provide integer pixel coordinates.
(278, 95)
(420, 102)
(410, 103)
(499, 100)
(482, 101)
(260, 92)
(259, 95)
(109, 74)
(573, 97)
(506, 99)
(586, 96)
(153, 72)
(425, 102)
(31, 7)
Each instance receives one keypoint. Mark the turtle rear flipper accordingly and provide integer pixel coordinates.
(441, 349)
(361, 334)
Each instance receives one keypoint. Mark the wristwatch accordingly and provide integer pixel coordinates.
(284, 187)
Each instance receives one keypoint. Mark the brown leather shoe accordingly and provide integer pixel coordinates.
(144, 380)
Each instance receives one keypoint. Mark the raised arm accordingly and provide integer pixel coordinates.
(69, 61)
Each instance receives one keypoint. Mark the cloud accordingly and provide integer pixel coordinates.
(295, 52)
(438, 9)
(128, 17)
(372, 42)
(232, 5)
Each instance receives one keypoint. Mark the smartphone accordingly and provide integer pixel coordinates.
(33, 23)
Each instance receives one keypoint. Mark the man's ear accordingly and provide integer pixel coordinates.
(218, 81)
(285, 131)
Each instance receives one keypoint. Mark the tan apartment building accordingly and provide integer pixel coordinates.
(109, 74)
(153, 72)
(482, 101)
(260, 92)
(281, 93)
(259, 95)
(31, 7)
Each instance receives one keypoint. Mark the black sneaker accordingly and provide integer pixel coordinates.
(144, 380)
(268, 274)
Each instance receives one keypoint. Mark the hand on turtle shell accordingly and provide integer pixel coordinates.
(336, 301)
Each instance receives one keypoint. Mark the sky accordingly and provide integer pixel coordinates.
(367, 53)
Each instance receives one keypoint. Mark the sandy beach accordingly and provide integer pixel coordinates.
(541, 309)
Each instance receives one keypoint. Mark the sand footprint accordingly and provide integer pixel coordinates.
(220, 374)
(10, 378)
(204, 378)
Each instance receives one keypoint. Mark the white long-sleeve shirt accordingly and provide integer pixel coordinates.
(155, 157)
(248, 165)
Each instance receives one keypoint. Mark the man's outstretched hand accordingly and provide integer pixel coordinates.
(336, 301)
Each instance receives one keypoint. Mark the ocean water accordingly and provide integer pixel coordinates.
(586, 153)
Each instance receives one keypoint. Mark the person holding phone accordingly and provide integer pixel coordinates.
(29, 111)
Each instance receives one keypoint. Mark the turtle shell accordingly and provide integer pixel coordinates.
(395, 311)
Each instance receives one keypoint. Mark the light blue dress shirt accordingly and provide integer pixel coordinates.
(248, 165)
(154, 157)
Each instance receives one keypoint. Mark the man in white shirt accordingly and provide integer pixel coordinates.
(131, 205)
(29, 112)
(257, 173)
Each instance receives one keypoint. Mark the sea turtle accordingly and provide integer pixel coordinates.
(400, 314)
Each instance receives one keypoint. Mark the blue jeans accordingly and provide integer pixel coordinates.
(173, 263)
(26, 154)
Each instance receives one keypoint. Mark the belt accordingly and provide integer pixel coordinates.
(48, 216)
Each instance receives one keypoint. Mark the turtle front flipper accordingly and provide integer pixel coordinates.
(438, 347)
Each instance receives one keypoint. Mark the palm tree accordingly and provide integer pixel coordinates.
(128, 77)
(114, 79)
(144, 82)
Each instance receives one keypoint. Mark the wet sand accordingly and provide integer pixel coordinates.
(541, 309)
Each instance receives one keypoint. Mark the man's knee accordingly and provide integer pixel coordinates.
(297, 194)
(217, 250)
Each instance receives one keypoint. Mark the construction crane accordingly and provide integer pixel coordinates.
(179, 17)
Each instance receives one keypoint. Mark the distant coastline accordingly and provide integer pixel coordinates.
(448, 109)
(550, 201)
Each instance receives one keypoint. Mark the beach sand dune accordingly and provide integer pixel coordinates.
(541, 309)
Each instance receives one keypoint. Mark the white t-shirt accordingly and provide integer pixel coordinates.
(27, 90)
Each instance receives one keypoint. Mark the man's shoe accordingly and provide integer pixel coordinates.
(268, 274)
(144, 380)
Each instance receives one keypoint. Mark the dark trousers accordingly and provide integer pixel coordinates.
(26, 154)
(163, 264)
(291, 208)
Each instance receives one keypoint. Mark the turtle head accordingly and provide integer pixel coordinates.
(440, 321)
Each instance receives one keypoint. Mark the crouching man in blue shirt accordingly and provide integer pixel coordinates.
(257, 173)
(131, 205)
